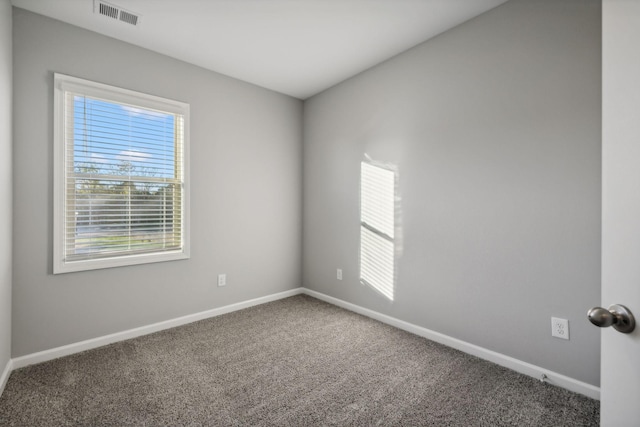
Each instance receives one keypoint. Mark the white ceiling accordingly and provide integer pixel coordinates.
(297, 47)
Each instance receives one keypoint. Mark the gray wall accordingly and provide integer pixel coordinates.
(5, 183)
(495, 127)
(245, 192)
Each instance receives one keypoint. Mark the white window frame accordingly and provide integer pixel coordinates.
(62, 85)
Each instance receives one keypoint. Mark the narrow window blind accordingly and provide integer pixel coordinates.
(377, 228)
(123, 189)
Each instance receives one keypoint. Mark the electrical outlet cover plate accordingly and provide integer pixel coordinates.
(222, 280)
(560, 328)
(339, 274)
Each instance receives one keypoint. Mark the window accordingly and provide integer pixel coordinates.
(377, 228)
(120, 187)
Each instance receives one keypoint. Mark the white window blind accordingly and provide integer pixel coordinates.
(377, 228)
(120, 177)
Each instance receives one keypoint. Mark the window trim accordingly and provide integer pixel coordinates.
(64, 83)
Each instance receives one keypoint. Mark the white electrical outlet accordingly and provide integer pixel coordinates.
(339, 274)
(560, 328)
(222, 280)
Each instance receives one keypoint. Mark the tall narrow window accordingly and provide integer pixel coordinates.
(120, 177)
(377, 228)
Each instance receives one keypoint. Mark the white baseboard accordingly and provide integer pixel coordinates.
(66, 350)
(4, 377)
(483, 353)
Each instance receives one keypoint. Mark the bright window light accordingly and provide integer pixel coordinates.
(377, 228)
(120, 183)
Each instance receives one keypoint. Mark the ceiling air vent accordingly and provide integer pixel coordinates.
(115, 12)
(129, 18)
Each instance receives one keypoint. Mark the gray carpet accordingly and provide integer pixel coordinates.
(293, 362)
